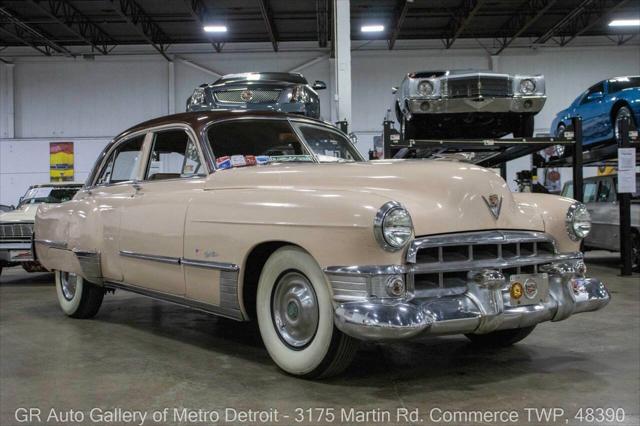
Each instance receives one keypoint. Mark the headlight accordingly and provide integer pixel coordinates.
(425, 88)
(300, 94)
(392, 226)
(198, 97)
(578, 221)
(527, 86)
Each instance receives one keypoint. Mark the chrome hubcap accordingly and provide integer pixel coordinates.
(294, 310)
(68, 282)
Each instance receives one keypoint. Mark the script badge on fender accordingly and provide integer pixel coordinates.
(494, 203)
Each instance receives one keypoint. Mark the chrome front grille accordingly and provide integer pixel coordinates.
(441, 264)
(16, 232)
(471, 87)
(257, 96)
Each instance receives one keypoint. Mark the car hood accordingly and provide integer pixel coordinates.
(441, 196)
(26, 213)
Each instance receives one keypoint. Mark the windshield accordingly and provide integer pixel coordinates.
(240, 143)
(48, 194)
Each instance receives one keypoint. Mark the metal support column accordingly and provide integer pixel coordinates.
(624, 202)
(7, 118)
(342, 70)
(578, 190)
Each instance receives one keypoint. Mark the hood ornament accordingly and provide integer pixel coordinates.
(494, 203)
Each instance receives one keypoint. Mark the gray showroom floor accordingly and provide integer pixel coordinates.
(139, 354)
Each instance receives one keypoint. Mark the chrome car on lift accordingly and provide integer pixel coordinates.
(266, 91)
(468, 104)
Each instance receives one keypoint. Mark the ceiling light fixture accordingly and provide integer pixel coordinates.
(215, 29)
(625, 23)
(372, 28)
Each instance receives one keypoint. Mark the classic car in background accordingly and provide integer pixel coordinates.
(468, 104)
(277, 218)
(16, 226)
(602, 203)
(601, 107)
(269, 91)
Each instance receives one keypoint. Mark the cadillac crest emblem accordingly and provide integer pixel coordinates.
(494, 203)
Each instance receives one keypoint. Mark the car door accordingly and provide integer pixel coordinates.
(605, 216)
(590, 110)
(152, 230)
(109, 191)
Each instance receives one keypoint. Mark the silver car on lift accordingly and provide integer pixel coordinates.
(601, 200)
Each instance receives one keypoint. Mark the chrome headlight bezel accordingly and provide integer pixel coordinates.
(525, 88)
(425, 88)
(578, 214)
(384, 214)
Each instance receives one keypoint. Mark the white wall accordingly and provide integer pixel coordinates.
(88, 102)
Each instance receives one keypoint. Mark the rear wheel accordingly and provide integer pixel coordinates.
(623, 113)
(295, 316)
(501, 338)
(78, 298)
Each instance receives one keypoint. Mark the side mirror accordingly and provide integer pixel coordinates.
(394, 90)
(319, 85)
(353, 137)
(595, 96)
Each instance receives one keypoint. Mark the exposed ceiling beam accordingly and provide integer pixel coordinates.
(322, 17)
(401, 13)
(460, 20)
(267, 16)
(77, 23)
(12, 26)
(199, 11)
(135, 16)
(522, 20)
(580, 19)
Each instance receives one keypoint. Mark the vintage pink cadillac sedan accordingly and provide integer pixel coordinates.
(277, 218)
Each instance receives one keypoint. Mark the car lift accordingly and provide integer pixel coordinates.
(497, 152)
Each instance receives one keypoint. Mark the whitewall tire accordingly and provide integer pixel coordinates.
(295, 316)
(78, 298)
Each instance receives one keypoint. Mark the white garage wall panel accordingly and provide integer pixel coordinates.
(88, 102)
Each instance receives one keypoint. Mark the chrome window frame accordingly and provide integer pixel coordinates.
(191, 134)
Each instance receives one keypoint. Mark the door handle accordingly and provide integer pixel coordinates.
(136, 186)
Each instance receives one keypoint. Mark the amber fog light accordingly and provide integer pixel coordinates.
(395, 287)
(516, 290)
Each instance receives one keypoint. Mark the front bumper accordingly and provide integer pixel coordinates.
(15, 252)
(518, 105)
(486, 306)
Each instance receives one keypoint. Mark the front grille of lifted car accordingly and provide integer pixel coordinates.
(472, 87)
(440, 264)
(257, 96)
(16, 232)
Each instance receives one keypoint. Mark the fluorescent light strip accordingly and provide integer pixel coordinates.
(625, 23)
(372, 28)
(215, 29)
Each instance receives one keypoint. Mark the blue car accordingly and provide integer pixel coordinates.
(601, 108)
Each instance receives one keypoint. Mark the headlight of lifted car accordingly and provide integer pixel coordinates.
(578, 221)
(392, 226)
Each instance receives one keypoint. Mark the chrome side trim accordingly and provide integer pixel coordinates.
(90, 264)
(52, 243)
(210, 265)
(223, 311)
(369, 270)
(153, 258)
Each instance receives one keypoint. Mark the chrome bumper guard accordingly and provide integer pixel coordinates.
(485, 307)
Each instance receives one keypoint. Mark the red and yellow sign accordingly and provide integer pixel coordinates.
(61, 161)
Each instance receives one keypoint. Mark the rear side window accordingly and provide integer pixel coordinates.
(173, 155)
(123, 162)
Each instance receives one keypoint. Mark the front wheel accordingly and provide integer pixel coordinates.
(295, 316)
(78, 298)
(623, 113)
(501, 338)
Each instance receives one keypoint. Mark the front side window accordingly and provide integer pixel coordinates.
(123, 163)
(173, 155)
(593, 89)
(590, 191)
(269, 138)
(329, 146)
